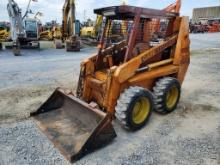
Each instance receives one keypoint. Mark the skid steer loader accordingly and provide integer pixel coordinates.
(125, 80)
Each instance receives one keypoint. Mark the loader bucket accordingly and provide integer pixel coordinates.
(72, 125)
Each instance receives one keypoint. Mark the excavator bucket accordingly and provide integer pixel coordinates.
(72, 125)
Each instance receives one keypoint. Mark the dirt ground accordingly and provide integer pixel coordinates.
(190, 135)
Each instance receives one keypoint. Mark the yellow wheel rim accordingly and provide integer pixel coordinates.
(141, 110)
(172, 97)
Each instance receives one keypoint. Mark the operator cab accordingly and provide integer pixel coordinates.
(31, 28)
(128, 31)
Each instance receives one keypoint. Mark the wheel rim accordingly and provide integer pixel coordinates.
(172, 97)
(141, 110)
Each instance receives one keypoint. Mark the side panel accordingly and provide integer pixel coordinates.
(182, 53)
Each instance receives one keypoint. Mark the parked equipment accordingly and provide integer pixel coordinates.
(70, 28)
(24, 31)
(211, 26)
(199, 28)
(46, 32)
(4, 31)
(90, 34)
(123, 81)
(214, 25)
(46, 35)
(51, 31)
(57, 32)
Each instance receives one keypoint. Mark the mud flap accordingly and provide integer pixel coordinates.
(72, 125)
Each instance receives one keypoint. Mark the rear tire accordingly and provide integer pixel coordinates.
(134, 107)
(166, 95)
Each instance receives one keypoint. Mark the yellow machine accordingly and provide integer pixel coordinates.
(87, 32)
(57, 32)
(70, 28)
(90, 34)
(4, 35)
(92, 31)
(4, 31)
(124, 81)
(46, 35)
(51, 33)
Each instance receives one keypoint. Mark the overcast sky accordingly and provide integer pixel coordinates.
(52, 9)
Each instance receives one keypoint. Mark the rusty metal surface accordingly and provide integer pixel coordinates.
(73, 126)
(132, 39)
(129, 12)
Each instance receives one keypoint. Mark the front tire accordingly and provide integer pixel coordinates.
(134, 107)
(167, 93)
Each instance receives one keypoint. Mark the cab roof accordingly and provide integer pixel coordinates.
(129, 12)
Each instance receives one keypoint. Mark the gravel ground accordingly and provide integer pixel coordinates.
(190, 135)
(27, 81)
(204, 41)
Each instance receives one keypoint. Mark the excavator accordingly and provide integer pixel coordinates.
(124, 81)
(24, 30)
(70, 28)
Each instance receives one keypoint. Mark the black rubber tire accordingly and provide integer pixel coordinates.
(161, 90)
(125, 105)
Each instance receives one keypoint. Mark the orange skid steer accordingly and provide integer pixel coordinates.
(125, 80)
